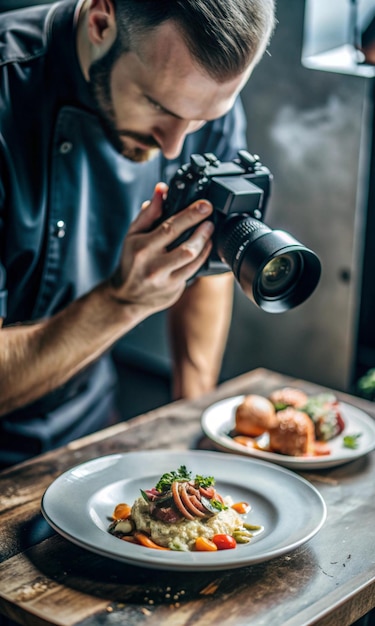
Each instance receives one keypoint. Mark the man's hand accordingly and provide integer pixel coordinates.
(150, 277)
(37, 358)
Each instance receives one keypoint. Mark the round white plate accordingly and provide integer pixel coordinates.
(79, 503)
(218, 421)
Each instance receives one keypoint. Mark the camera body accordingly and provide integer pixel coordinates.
(241, 186)
(273, 269)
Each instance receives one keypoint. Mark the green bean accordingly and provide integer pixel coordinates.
(241, 537)
(252, 527)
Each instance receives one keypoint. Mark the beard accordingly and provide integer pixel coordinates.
(100, 87)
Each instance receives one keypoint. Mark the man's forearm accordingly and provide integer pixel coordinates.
(37, 358)
(199, 325)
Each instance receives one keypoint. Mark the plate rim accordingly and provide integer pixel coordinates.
(290, 462)
(195, 561)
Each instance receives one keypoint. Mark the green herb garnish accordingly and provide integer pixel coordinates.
(182, 475)
(218, 505)
(316, 406)
(204, 481)
(168, 478)
(351, 441)
(280, 406)
(212, 505)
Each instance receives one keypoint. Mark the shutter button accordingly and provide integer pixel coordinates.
(65, 147)
(60, 229)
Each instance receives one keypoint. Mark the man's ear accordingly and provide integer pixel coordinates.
(101, 23)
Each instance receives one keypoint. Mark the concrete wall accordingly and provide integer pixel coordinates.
(311, 129)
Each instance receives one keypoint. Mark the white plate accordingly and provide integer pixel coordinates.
(79, 503)
(218, 421)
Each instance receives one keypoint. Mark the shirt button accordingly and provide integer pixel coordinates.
(65, 147)
(60, 229)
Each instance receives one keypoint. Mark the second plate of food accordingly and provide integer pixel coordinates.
(218, 423)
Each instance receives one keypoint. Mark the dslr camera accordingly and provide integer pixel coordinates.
(273, 269)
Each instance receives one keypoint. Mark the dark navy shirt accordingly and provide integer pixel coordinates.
(67, 199)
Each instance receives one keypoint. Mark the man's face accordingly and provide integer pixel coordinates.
(151, 98)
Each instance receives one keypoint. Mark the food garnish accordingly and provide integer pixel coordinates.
(144, 540)
(203, 544)
(122, 511)
(224, 542)
(183, 513)
(351, 441)
(167, 479)
(241, 507)
(324, 411)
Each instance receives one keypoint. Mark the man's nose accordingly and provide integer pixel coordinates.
(171, 136)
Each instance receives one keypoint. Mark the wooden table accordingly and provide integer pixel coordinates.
(45, 579)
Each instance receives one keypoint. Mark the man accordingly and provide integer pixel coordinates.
(100, 101)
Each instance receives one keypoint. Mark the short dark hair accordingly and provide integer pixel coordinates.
(224, 36)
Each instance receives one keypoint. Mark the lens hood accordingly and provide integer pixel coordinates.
(257, 257)
(274, 270)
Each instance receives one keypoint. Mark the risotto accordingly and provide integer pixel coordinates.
(181, 513)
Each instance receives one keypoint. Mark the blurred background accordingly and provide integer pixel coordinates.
(310, 112)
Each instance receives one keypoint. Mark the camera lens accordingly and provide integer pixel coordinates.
(279, 274)
(274, 270)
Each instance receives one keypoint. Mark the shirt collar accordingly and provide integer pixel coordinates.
(72, 85)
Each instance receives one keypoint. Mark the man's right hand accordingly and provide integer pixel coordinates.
(37, 358)
(150, 277)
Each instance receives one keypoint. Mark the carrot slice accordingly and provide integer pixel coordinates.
(321, 448)
(248, 442)
(122, 511)
(241, 507)
(202, 544)
(128, 538)
(145, 540)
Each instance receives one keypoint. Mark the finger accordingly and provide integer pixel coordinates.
(189, 252)
(189, 270)
(151, 210)
(182, 262)
(171, 228)
(190, 249)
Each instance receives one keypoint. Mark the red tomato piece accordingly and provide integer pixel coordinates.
(224, 542)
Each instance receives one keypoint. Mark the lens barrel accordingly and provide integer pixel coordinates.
(274, 270)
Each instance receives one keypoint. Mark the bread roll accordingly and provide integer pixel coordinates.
(288, 396)
(254, 416)
(294, 435)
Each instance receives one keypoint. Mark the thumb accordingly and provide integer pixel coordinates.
(151, 210)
